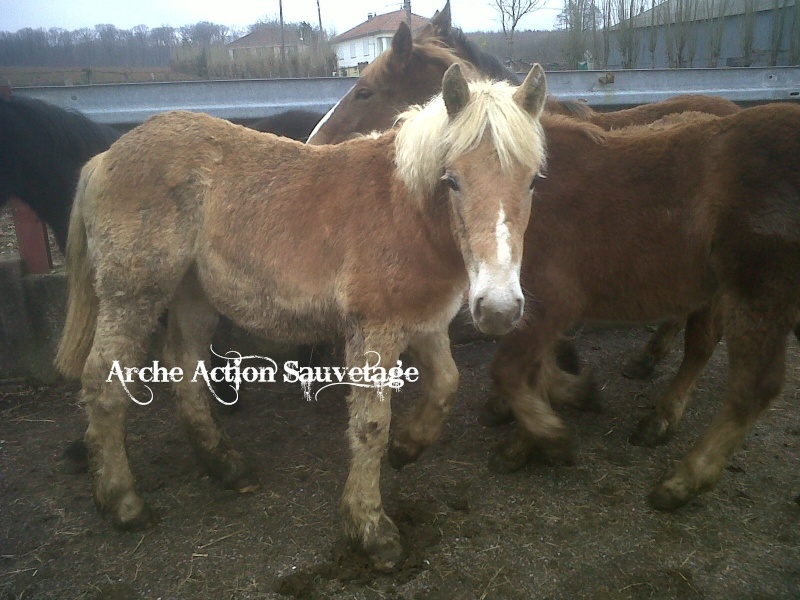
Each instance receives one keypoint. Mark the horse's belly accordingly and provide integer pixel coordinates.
(647, 298)
(265, 304)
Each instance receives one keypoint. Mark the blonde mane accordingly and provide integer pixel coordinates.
(428, 140)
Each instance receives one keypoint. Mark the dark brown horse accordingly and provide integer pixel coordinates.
(700, 217)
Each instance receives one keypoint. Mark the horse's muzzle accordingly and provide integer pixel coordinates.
(496, 314)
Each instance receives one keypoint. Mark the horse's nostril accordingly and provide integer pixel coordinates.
(520, 308)
(479, 308)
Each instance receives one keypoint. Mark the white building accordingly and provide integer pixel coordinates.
(359, 46)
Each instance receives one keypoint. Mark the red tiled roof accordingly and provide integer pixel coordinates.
(387, 23)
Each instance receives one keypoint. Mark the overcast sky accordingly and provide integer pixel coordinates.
(337, 15)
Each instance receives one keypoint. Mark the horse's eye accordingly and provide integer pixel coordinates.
(451, 182)
(535, 179)
(363, 94)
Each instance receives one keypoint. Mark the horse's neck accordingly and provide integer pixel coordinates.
(487, 64)
(430, 216)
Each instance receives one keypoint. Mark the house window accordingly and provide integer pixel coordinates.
(366, 47)
(352, 49)
(380, 45)
(341, 52)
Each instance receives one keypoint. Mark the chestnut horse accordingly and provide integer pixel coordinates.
(197, 215)
(409, 73)
(699, 217)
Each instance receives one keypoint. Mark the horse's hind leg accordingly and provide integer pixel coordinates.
(642, 364)
(439, 377)
(123, 329)
(756, 339)
(703, 332)
(190, 326)
(365, 522)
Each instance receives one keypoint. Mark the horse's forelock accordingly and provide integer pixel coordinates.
(428, 139)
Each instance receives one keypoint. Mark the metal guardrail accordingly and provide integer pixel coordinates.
(132, 103)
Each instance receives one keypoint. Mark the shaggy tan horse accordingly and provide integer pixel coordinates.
(199, 216)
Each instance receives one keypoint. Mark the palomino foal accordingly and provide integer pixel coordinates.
(195, 214)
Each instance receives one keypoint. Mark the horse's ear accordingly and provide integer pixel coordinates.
(425, 33)
(455, 90)
(402, 44)
(442, 21)
(532, 94)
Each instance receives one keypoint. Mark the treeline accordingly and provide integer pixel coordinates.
(198, 50)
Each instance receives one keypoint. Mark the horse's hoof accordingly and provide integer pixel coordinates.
(652, 431)
(75, 458)
(495, 414)
(242, 479)
(639, 367)
(505, 459)
(135, 518)
(672, 493)
(400, 455)
(383, 547)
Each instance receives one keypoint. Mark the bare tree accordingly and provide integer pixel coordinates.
(681, 31)
(794, 35)
(627, 37)
(779, 13)
(574, 21)
(748, 31)
(714, 17)
(511, 12)
(608, 9)
(652, 33)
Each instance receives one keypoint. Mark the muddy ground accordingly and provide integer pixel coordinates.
(545, 532)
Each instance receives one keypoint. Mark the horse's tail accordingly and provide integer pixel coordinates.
(82, 302)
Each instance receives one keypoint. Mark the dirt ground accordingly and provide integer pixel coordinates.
(545, 532)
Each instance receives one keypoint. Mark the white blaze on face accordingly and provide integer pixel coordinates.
(327, 116)
(503, 237)
(496, 298)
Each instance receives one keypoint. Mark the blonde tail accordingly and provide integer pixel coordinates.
(82, 303)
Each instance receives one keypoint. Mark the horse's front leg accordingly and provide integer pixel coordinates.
(365, 522)
(521, 373)
(419, 428)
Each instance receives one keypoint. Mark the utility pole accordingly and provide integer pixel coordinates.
(407, 6)
(283, 42)
(319, 15)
